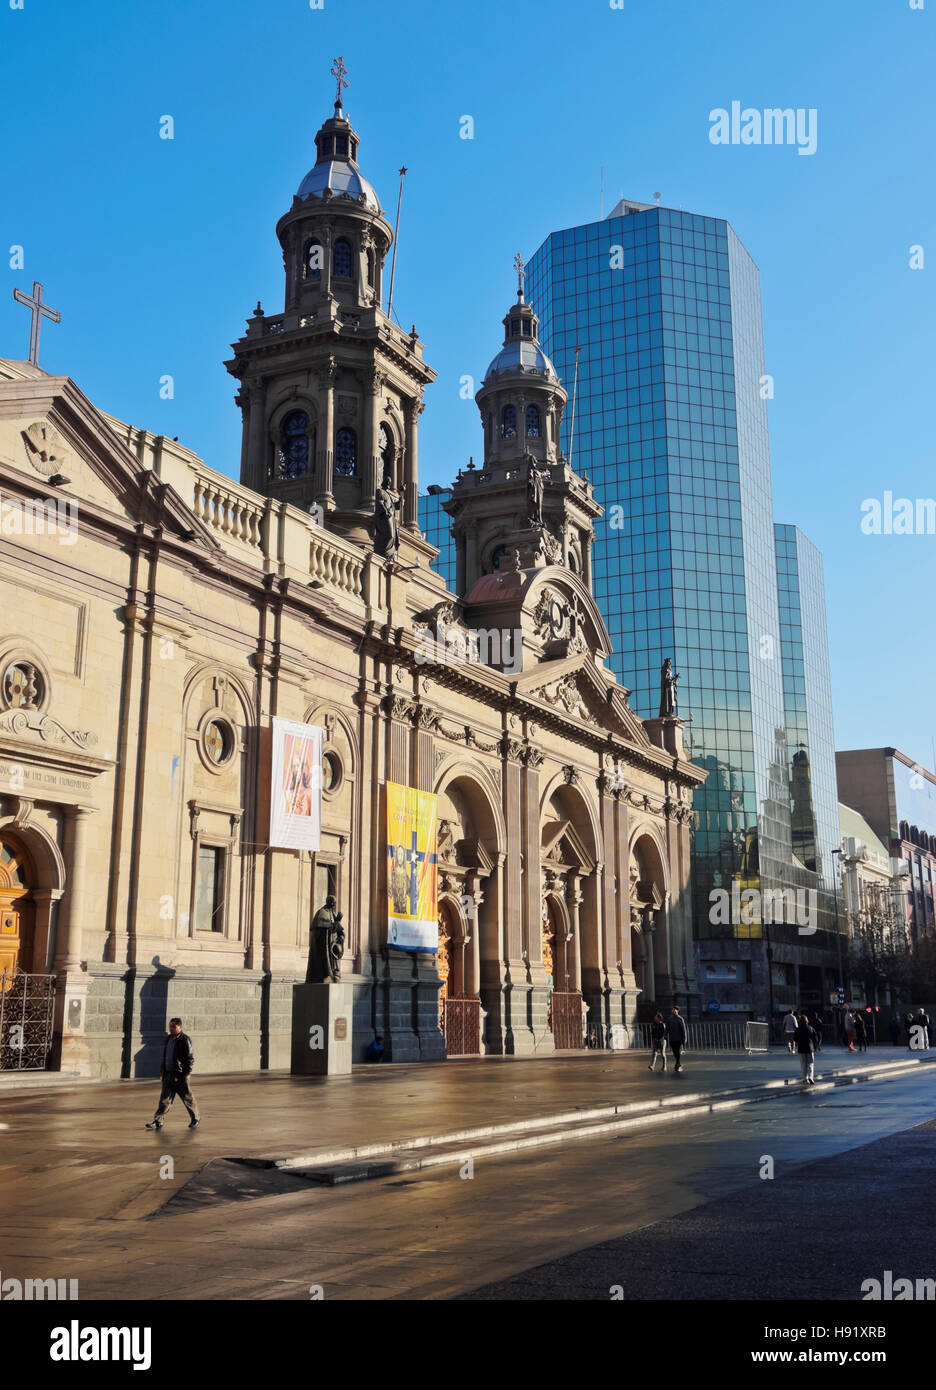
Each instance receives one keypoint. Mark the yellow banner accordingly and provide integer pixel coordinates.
(412, 874)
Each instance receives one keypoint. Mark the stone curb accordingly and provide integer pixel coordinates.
(404, 1155)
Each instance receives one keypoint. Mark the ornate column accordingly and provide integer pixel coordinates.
(71, 982)
(370, 463)
(412, 409)
(574, 897)
(325, 491)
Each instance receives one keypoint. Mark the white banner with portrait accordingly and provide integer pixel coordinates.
(296, 785)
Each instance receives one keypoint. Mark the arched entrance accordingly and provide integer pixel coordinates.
(471, 834)
(17, 878)
(647, 876)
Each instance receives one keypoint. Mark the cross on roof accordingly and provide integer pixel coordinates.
(521, 274)
(338, 71)
(39, 312)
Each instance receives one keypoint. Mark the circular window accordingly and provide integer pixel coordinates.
(23, 685)
(218, 742)
(331, 772)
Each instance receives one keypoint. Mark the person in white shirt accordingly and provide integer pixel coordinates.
(790, 1024)
(850, 1029)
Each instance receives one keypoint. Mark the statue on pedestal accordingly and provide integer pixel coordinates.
(536, 483)
(669, 680)
(326, 945)
(386, 528)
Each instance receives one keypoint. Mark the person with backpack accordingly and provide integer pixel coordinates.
(658, 1041)
(676, 1036)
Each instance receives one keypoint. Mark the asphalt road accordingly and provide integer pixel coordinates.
(661, 1212)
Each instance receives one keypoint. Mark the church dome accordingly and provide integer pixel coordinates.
(522, 355)
(339, 176)
(521, 351)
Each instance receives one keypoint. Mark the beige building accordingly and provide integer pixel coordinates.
(156, 615)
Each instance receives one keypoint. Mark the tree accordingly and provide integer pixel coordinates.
(880, 956)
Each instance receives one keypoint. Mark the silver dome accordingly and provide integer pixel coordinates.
(522, 354)
(340, 177)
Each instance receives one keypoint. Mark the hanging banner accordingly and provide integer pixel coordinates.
(412, 891)
(296, 785)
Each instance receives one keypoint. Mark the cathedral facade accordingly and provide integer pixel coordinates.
(157, 616)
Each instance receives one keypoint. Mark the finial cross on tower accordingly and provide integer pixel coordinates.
(521, 275)
(39, 312)
(338, 71)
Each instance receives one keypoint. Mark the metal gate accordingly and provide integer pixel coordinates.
(462, 1027)
(26, 1010)
(567, 1020)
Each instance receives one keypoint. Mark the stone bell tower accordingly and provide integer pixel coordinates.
(330, 390)
(524, 508)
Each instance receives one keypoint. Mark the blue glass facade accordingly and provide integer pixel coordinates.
(671, 427)
(436, 526)
(807, 699)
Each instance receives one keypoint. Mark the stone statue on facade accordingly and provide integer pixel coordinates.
(669, 680)
(326, 945)
(386, 529)
(536, 484)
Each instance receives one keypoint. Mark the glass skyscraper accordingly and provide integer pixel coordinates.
(652, 318)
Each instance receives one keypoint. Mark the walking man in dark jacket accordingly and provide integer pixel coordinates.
(676, 1034)
(658, 1041)
(177, 1062)
(806, 1047)
(861, 1032)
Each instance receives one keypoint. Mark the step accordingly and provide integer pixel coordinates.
(380, 1159)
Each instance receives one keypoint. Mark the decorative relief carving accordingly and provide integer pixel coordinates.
(20, 722)
(45, 448)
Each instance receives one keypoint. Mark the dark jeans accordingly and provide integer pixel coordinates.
(677, 1048)
(173, 1086)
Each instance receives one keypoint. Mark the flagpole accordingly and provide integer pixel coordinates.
(396, 234)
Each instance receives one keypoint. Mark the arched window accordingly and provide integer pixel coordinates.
(342, 259)
(313, 260)
(509, 422)
(387, 451)
(532, 422)
(292, 456)
(346, 453)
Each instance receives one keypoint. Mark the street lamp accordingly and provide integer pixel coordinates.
(838, 935)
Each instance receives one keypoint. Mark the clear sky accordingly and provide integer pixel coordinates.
(156, 251)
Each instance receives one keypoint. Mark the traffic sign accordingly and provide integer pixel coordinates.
(713, 1006)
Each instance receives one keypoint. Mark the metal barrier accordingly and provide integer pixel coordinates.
(703, 1036)
(757, 1037)
(26, 1010)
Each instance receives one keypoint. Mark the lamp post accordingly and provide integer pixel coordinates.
(838, 934)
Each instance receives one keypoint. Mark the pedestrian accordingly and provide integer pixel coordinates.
(676, 1035)
(894, 1027)
(178, 1059)
(806, 1047)
(374, 1051)
(908, 1026)
(658, 1041)
(922, 1020)
(818, 1027)
(850, 1029)
(789, 1028)
(861, 1032)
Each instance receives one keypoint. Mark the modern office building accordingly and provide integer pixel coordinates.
(652, 317)
(897, 797)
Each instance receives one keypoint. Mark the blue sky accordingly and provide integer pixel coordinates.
(156, 251)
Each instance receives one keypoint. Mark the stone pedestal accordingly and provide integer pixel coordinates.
(321, 1029)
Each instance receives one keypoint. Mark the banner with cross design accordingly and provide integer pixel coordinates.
(412, 873)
